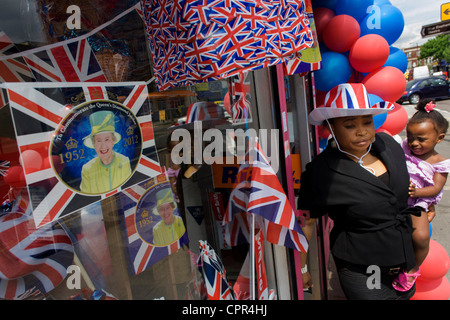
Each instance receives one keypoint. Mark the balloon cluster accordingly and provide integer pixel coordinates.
(355, 40)
(432, 284)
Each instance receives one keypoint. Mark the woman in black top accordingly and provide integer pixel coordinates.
(360, 180)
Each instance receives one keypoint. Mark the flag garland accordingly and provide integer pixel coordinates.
(198, 40)
(262, 194)
(137, 203)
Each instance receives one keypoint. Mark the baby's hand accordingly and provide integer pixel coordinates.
(412, 190)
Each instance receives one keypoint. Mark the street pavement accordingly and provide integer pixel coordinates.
(441, 223)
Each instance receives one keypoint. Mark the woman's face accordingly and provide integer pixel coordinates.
(103, 145)
(354, 133)
(166, 212)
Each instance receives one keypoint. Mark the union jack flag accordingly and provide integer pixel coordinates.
(12, 70)
(240, 108)
(38, 111)
(214, 274)
(72, 62)
(219, 38)
(32, 260)
(204, 110)
(4, 166)
(238, 230)
(139, 223)
(262, 194)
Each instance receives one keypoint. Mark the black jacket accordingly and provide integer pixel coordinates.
(372, 223)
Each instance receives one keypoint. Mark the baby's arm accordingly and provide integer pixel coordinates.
(426, 192)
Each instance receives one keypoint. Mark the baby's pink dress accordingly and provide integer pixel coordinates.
(421, 173)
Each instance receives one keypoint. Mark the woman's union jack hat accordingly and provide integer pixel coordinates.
(347, 99)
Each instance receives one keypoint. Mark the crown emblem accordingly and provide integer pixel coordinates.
(144, 213)
(130, 131)
(71, 144)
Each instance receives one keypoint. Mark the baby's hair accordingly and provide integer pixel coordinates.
(422, 114)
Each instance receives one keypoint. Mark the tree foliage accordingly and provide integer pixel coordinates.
(438, 48)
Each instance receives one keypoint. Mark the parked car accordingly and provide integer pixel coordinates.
(430, 87)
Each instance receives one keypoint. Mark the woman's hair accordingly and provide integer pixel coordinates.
(425, 112)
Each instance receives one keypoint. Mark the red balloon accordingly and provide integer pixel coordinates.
(320, 97)
(388, 83)
(31, 160)
(15, 177)
(369, 53)
(323, 131)
(436, 264)
(438, 289)
(321, 18)
(395, 120)
(341, 33)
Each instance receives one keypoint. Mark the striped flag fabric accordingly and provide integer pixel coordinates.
(32, 261)
(193, 41)
(12, 70)
(214, 274)
(262, 194)
(41, 112)
(72, 62)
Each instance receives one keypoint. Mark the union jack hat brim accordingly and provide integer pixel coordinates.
(347, 99)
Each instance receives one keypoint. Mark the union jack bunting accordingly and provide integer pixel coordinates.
(72, 62)
(12, 70)
(262, 194)
(50, 119)
(240, 106)
(309, 59)
(194, 41)
(214, 274)
(32, 261)
(137, 204)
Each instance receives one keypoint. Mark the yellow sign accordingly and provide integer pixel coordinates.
(445, 11)
(226, 174)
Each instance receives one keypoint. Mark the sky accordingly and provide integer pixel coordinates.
(416, 13)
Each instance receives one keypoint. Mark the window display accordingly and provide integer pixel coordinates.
(136, 193)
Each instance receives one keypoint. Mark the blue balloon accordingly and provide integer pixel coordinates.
(397, 59)
(386, 21)
(373, 98)
(355, 8)
(381, 2)
(335, 70)
(378, 119)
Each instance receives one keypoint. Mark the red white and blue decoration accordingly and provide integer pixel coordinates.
(262, 194)
(72, 62)
(32, 261)
(193, 41)
(136, 207)
(357, 42)
(39, 112)
(214, 274)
